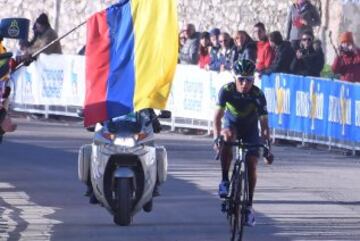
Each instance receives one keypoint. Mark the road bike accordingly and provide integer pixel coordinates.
(236, 203)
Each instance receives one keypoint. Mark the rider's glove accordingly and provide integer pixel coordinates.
(268, 156)
(217, 141)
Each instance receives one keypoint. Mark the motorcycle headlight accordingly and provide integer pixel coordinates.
(125, 141)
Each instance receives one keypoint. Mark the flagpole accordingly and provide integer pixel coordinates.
(49, 44)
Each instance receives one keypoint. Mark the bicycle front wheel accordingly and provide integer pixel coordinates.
(235, 215)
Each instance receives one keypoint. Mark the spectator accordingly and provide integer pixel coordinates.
(214, 38)
(181, 39)
(265, 53)
(204, 54)
(43, 35)
(23, 44)
(189, 52)
(284, 54)
(302, 16)
(222, 61)
(307, 61)
(215, 45)
(245, 47)
(347, 64)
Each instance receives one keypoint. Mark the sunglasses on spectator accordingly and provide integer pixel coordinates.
(306, 39)
(246, 79)
(223, 41)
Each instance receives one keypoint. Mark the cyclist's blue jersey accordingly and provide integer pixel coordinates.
(240, 108)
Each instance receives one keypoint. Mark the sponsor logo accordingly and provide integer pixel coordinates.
(14, 30)
(340, 108)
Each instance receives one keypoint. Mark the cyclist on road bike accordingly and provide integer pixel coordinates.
(241, 105)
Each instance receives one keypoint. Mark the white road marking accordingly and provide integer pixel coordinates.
(23, 218)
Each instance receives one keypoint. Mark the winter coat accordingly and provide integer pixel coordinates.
(265, 55)
(41, 41)
(310, 64)
(248, 51)
(204, 60)
(348, 66)
(284, 54)
(218, 59)
(307, 12)
(189, 53)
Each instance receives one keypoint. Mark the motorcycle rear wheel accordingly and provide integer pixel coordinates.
(123, 194)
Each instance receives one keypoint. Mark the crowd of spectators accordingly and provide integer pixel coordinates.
(298, 53)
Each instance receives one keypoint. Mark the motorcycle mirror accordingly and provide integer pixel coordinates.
(165, 114)
(80, 113)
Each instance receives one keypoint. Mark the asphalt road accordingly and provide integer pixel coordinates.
(306, 194)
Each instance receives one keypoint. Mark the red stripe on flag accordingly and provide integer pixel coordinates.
(97, 68)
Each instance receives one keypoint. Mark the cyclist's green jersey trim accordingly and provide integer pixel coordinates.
(242, 107)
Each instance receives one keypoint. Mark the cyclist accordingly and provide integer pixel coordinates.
(242, 105)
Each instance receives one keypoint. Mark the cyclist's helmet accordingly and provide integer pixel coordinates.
(244, 68)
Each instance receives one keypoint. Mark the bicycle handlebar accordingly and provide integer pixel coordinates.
(240, 144)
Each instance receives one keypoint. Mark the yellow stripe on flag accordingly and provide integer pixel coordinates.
(156, 51)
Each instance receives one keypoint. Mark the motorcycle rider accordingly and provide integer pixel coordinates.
(241, 105)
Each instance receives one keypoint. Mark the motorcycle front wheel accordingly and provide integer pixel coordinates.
(123, 201)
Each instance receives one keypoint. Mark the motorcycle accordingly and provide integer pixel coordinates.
(123, 165)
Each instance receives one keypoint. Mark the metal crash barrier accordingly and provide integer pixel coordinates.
(305, 109)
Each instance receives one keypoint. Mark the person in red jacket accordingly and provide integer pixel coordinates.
(265, 53)
(347, 63)
(204, 51)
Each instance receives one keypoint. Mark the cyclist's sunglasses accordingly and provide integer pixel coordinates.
(243, 78)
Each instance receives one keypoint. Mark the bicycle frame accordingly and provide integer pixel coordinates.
(237, 202)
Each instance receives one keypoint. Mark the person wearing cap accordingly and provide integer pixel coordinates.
(43, 35)
(215, 46)
(347, 63)
(214, 41)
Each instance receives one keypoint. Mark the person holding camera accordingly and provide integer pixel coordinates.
(347, 63)
(307, 61)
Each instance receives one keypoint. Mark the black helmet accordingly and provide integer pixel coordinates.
(244, 67)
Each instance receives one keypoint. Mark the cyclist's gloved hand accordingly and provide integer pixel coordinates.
(217, 142)
(268, 156)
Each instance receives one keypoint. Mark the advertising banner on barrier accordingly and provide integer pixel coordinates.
(313, 106)
(194, 92)
(51, 80)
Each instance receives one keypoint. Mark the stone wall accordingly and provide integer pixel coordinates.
(229, 15)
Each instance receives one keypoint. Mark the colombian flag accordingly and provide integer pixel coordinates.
(131, 56)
